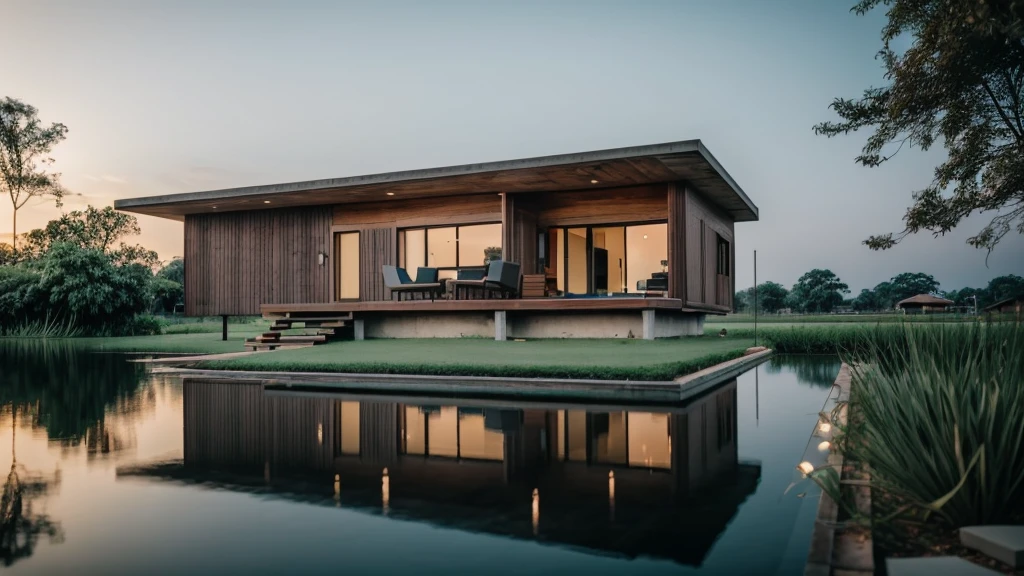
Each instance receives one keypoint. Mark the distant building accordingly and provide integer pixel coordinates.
(923, 303)
(1008, 306)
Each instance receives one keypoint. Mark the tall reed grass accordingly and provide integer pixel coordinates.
(939, 418)
(43, 328)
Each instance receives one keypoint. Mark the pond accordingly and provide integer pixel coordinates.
(116, 471)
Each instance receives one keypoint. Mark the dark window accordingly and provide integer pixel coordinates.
(724, 254)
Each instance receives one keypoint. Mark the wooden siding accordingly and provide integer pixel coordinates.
(235, 261)
(704, 224)
(378, 432)
(677, 241)
(446, 211)
(518, 234)
(590, 207)
(377, 247)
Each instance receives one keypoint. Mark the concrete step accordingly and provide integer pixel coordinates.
(1004, 543)
(277, 345)
(290, 339)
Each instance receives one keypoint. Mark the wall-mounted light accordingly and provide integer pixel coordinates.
(321, 258)
(593, 181)
(391, 193)
(266, 201)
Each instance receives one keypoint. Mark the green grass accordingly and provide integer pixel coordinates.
(569, 358)
(837, 318)
(200, 343)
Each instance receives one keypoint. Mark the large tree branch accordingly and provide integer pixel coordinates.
(1002, 113)
(1014, 94)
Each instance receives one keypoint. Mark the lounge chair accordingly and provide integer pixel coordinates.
(468, 280)
(398, 281)
(504, 278)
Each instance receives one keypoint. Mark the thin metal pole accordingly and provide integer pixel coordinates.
(224, 327)
(755, 297)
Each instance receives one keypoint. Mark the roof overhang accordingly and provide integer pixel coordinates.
(687, 161)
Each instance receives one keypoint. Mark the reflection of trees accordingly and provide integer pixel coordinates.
(20, 526)
(70, 388)
(815, 370)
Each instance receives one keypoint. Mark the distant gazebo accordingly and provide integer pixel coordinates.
(923, 303)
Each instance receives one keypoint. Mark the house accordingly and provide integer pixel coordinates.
(1007, 306)
(923, 303)
(629, 242)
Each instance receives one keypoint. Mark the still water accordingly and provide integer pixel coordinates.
(116, 471)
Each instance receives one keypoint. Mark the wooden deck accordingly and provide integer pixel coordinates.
(493, 305)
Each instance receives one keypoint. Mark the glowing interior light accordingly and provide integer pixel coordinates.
(823, 447)
(536, 510)
(806, 467)
(825, 427)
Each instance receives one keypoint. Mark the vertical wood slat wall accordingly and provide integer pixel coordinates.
(704, 224)
(377, 247)
(677, 271)
(518, 234)
(236, 261)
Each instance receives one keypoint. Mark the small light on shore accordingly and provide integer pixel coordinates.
(824, 446)
(806, 467)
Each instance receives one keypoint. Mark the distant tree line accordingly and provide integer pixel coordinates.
(77, 276)
(821, 291)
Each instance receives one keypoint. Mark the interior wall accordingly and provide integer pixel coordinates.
(577, 260)
(646, 247)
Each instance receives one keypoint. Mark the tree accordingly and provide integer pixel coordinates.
(25, 146)
(961, 82)
(866, 301)
(1004, 287)
(771, 297)
(92, 229)
(818, 291)
(910, 284)
(167, 286)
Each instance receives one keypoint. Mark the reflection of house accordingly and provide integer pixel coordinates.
(923, 303)
(652, 220)
(611, 480)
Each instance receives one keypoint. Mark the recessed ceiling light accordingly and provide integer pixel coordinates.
(214, 207)
(391, 193)
(645, 236)
(593, 181)
(266, 201)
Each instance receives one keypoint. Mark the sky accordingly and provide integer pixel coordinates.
(182, 96)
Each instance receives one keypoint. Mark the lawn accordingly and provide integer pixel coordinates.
(198, 342)
(569, 358)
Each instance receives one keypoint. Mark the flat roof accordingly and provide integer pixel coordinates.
(687, 161)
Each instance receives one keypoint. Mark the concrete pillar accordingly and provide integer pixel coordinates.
(358, 329)
(648, 324)
(500, 330)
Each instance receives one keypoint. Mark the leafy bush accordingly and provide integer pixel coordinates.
(71, 289)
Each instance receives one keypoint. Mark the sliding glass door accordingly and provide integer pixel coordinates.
(610, 260)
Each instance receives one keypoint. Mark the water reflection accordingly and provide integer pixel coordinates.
(21, 524)
(817, 371)
(607, 479)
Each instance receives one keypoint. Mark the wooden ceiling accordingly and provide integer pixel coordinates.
(686, 161)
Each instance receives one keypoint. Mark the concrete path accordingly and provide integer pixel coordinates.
(937, 566)
(1004, 543)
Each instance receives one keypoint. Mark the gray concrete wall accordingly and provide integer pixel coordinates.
(611, 324)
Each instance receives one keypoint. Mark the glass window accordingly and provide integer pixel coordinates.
(412, 246)
(348, 412)
(610, 259)
(443, 429)
(576, 422)
(477, 441)
(441, 248)
(577, 238)
(559, 259)
(646, 249)
(609, 433)
(649, 443)
(346, 255)
(723, 256)
(474, 242)
(415, 433)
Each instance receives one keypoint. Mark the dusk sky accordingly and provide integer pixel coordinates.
(171, 97)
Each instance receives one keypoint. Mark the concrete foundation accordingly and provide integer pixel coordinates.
(502, 324)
